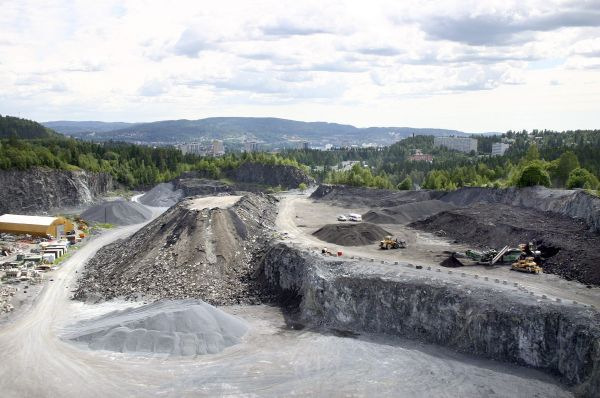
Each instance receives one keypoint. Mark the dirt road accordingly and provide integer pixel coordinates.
(300, 216)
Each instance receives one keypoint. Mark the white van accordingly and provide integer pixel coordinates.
(355, 217)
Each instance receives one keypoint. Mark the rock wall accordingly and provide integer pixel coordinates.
(40, 189)
(560, 339)
(273, 175)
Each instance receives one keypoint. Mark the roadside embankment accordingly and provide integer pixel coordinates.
(41, 189)
(501, 324)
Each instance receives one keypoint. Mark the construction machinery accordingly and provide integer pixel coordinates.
(526, 264)
(390, 243)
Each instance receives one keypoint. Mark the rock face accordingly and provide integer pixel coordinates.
(191, 185)
(40, 189)
(273, 175)
(480, 320)
(187, 252)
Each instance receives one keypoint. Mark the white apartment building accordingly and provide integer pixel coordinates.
(498, 148)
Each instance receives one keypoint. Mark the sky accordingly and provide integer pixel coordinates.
(474, 66)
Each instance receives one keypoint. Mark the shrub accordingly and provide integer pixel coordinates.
(533, 174)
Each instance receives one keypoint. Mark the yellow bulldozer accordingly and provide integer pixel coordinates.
(390, 243)
(526, 264)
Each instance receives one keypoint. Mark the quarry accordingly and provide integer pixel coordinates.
(239, 293)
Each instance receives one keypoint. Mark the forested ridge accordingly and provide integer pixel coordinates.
(131, 165)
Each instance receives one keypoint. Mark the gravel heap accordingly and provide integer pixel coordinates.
(187, 252)
(351, 234)
(407, 212)
(175, 328)
(117, 212)
(162, 195)
(570, 248)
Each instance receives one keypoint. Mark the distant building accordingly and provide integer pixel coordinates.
(194, 148)
(306, 145)
(217, 148)
(251, 146)
(462, 144)
(498, 148)
(420, 157)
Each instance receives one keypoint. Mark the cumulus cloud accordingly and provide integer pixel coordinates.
(504, 29)
(360, 62)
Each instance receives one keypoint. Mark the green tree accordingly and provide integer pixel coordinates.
(302, 187)
(533, 174)
(405, 185)
(582, 178)
(533, 153)
(567, 162)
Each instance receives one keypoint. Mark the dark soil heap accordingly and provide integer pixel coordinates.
(187, 253)
(572, 250)
(351, 234)
(407, 212)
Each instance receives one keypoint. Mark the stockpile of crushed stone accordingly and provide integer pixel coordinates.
(369, 197)
(351, 234)
(570, 248)
(162, 195)
(407, 212)
(188, 252)
(175, 328)
(118, 212)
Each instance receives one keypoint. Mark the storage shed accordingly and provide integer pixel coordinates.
(35, 225)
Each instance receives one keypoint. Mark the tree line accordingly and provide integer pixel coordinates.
(563, 160)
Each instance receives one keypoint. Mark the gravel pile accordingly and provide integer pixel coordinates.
(117, 212)
(407, 212)
(351, 234)
(162, 195)
(187, 252)
(174, 328)
(570, 248)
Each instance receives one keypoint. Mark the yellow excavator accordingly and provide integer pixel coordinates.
(390, 243)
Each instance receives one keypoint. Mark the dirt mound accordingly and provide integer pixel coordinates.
(351, 234)
(451, 262)
(190, 251)
(571, 249)
(162, 195)
(175, 328)
(368, 197)
(407, 212)
(118, 212)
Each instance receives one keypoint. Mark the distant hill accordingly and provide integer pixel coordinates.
(74, 128)
(22, 128)
(239, 129)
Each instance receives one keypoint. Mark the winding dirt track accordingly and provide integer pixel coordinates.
(271, 361)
